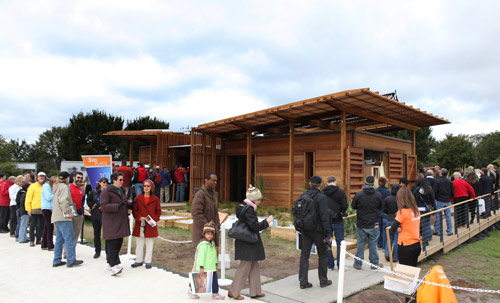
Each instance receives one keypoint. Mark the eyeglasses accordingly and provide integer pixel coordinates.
(147, 185)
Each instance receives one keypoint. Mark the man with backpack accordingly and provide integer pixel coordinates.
(337, 205)
(368, 204)
(312, 220)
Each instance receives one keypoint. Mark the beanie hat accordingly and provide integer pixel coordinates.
(209, 227)
(316, 180)
(369, 180)
(151, 183)
(253, 193)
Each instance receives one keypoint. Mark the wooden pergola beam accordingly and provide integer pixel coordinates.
(366, 114)
(249, 159)
(291, 163)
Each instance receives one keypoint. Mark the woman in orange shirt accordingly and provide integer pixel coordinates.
(407, 223)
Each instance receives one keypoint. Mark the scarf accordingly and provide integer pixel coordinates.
(251, 204)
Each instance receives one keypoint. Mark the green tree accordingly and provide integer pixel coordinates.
(141, 123)
(146, 122)
(84, 135)
(425, 143)
(22, 151)
(10, 169)
(488, 149)
(48, 149)
(6, 150)
(454, 151)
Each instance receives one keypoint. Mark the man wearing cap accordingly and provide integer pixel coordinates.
(205, 208)
(62, 215)
(33, 205)
(368, 204)
(317, 236)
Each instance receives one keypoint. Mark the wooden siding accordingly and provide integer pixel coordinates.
(379, 143)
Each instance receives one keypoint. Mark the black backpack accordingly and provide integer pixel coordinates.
(304, 212)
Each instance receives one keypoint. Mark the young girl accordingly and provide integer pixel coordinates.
(206, 259)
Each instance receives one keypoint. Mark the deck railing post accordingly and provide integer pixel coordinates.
(441, 227)
(340, 286)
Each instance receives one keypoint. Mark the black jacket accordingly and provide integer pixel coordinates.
(94, 199)
(368, 203)
(390, 203)
(250, 251)
(322, 211)
(337, 202)
(422, 200)
(443, 189)
(485, 185)
(20, 199)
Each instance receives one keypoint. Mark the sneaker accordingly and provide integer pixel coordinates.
(218, 297)
(136, 264)
(327, 283)
(116, 270)
(356, 266)
(373, 267)
(193, 296)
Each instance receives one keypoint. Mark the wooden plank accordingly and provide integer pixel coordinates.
(414, 142)
(131, 152)
(291, 160)
(343, 144)
(249, 159)
(213, 149)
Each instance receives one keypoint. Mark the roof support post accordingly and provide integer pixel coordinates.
(291, 164)
(249, 158)
(151, 144)
(158, 161)
(343, 145)
(414, 142)
(131, 152)
(213, 147)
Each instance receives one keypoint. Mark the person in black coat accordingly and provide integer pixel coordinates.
(337, 205)
(389, 209)
(94, 203)
(471, 179)
(486, 187)
(424, 196)
(249, 254)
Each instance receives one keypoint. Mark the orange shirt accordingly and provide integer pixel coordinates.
(410, 227)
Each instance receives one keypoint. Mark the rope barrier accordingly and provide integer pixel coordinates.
(174, 241)
(423, 281)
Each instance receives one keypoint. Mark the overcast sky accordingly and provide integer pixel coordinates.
(191, 62)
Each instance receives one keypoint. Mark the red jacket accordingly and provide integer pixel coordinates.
(179, 175)
(141, 209)
(463, 189)
(127, 174)
(4, 193)
(76, 195)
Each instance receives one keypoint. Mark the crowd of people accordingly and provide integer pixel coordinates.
(44, 202)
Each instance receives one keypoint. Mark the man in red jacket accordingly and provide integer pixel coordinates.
(77, 198)
(127, 176)
(5, 204)
(181, 182)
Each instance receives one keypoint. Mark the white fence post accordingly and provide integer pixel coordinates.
(340, 287)
(223, 281)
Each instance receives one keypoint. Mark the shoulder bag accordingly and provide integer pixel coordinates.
(241, 231)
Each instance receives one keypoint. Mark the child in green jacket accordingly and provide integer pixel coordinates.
(205, 259)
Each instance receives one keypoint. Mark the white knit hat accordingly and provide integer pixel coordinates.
(253, 193)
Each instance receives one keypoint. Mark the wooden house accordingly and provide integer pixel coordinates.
(337, 135)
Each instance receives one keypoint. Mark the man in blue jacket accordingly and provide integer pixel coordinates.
(164, 186)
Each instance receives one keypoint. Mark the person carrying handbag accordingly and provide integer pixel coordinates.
(249, 254)
(146, 212)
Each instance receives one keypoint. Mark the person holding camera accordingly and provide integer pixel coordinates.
(320, 235)
(337, 205)
(77, 198)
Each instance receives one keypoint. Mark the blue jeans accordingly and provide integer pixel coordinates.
(179, 193)
(447, 213)
(393, 241)
(138, 188)
(371, 235)
(18, 224)
(425, 229)
(23, 228)
(64, 235)
(338, 232)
